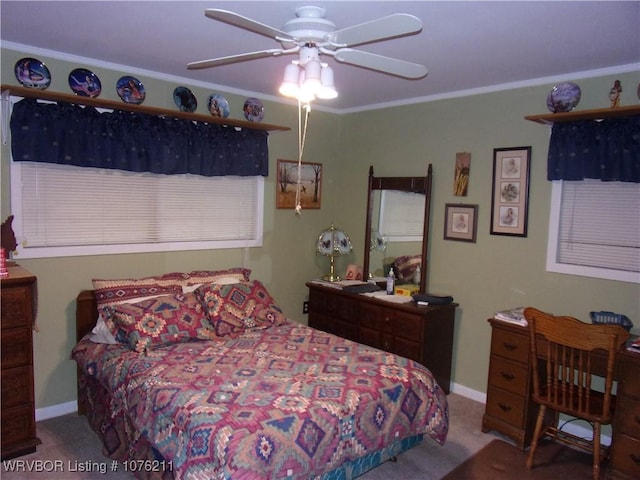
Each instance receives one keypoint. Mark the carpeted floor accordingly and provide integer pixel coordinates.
(503, 461)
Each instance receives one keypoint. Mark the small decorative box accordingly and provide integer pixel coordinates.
(406, 290)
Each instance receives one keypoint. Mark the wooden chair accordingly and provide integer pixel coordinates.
(563, 361)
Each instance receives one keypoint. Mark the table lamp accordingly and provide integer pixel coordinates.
(333, 242)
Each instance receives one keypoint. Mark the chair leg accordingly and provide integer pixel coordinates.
(536, 435)
(596, 451)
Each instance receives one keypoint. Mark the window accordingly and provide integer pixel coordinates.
(594, 230)
(401, 216)
(62, 210)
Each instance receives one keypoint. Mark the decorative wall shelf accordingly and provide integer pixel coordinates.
(596, 114)
(112, 104)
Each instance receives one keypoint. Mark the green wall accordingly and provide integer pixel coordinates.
(495, 273)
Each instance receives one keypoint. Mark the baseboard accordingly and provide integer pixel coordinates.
(56, 410)
(468, 393)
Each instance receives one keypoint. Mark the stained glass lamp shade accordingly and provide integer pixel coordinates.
(331, 243)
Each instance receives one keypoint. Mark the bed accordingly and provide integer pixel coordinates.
(241, 392)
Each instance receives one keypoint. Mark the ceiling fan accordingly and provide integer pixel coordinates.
(310, 35)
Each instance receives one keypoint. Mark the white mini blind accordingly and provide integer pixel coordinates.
(599, 226)
(401, 216)
(63, 210)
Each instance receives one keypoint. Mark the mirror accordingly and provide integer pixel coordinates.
(419, 185)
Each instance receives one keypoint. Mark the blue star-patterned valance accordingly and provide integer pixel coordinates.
(69, 134)
(608, 150)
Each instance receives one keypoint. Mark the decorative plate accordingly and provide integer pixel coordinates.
(85, 83)
(218, 106)
(564, 97)
(253, 110)
(185, 99)
(130, 90)
(32, 73)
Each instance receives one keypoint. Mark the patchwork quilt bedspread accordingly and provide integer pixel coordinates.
(287, 402)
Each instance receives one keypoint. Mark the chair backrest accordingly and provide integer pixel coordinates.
(563, 360)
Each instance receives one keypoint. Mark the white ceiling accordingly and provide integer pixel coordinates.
(465, 45)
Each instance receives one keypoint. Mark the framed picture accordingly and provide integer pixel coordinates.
(510, 194)
(310, 186)
(460, 222)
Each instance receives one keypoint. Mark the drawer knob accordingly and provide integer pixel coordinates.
(503, 407)
(510, 346)
(507, 376)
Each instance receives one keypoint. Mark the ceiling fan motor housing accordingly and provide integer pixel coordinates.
(310, 26)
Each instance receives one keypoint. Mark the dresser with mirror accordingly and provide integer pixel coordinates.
(423, 333)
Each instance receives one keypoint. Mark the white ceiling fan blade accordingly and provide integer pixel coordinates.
(396, 25)
(248, 24)
(243, 57)
(380, 63)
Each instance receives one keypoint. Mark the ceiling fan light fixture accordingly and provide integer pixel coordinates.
(312, 72)
(327, 90)
(290, 86)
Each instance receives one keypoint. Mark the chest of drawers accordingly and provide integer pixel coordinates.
(510, 410)
(423, 334)
(17, 312)
(625, 444)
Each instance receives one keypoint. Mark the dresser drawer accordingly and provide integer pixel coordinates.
(16, 347)
(16, 385)
(408, 326)
(347, 309)
(506, 406)
(408, 348)
(15, 306)
(508, 375)
(628, 378)
(628, 408)
(18, 424)
(373, 317)
(510, 345)
(625, 455)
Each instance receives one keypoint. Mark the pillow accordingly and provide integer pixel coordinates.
(127, 290)
(158, 321)
(115, 291)
(231, 275)
(131, 290)
(234, 308)
(101, 333)
(404, 267)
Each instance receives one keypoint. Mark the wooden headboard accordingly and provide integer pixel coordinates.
(86, 313)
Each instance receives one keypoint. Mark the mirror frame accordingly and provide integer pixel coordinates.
(403, 184)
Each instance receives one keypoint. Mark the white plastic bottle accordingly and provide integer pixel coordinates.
(391, 282)
(416, 276)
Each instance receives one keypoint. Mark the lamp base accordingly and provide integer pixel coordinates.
(331, 277)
